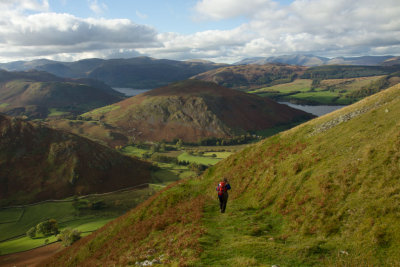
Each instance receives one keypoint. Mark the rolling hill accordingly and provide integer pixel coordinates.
(40, 94)
(39, 163)
(325, 193)
(250, 76)
(192, 110)
(139, 72)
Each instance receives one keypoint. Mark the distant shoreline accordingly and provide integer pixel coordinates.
(130, 91)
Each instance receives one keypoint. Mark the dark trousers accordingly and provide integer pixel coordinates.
(223, 199)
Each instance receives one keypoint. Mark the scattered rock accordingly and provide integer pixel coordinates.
(342, 118)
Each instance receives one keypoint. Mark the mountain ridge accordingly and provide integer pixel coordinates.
(139, 72)
(313, 61)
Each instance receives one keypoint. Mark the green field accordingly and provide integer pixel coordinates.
(301, 85)
(198, 159)
(134, 151)
(10, 215)
(324, 92)
(170, 172)
(16, 221)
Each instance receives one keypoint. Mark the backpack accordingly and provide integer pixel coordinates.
(222, 188)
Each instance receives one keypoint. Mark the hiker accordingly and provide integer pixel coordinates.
(222, 189)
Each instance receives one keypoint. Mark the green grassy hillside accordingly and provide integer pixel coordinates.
(325, 193)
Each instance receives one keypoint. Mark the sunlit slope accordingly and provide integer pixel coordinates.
(324, 193)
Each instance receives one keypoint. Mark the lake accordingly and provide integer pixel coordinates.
(315, 110)
(130, 91)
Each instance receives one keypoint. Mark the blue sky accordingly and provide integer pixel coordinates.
(165, 15)
(217, 30)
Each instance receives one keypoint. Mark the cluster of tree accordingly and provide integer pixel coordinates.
(169, 159)
(80, 204)
(50, 227)
(68, 236)
(197, 167)
(46, 228)
(236, 140)
(164, 159)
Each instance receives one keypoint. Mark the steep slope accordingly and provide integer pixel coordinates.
(38, 163)
(192, 110)
(325, 193)
(248, 76)
(38, 94)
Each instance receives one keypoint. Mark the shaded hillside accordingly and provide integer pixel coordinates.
(392, 61)
(139, 72)
(248, 76)
(325, 193)
(343, 71)
(192, 110)
(38, 163)
(145, 72)
(40, 94)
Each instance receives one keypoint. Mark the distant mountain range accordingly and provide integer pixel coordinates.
(192, 110)
(39, 163)
(39, 94)
(311, 60)
(139, 72)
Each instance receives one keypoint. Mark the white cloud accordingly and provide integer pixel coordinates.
(97, 7)
(322, 27)
(223, 9)
(46, 34)
(141, 15)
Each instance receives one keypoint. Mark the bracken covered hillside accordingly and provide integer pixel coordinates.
(192, 110)
(326, 193)
(38, 163)
(252, 76)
